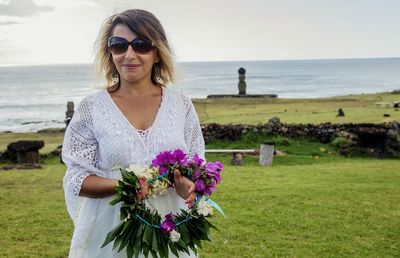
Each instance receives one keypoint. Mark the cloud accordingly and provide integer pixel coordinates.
(88, 3)
(2, 23)
(22, 8)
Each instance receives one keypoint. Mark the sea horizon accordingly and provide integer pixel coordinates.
(213, 61)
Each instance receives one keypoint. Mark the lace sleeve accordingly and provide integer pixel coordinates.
(193, 135)
(79, 153)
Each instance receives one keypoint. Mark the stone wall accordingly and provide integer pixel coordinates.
(380, 140)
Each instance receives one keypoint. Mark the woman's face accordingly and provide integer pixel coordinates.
(132, 66)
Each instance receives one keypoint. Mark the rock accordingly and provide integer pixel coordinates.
(396, 92)
(26, 151)
(274, 125)
(52, 130)
(279, 153)
(340, 112)
(344, 152)
(386, 115)
(237, 159)
(24, 146)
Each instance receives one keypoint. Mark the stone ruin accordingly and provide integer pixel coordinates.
(242, 90)
(242, 83)
(378, 140)
(23, 154)
(69, 113)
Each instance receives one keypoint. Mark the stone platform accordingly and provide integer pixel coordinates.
(257, 96)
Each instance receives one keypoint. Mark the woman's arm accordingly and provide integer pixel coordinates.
(97, 187)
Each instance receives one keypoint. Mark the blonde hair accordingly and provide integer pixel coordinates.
(145, 25)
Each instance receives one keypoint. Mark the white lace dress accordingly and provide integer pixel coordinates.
(98, 138)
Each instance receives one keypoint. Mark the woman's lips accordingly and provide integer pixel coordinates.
(131, 66)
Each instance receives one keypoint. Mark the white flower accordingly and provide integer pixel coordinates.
(159, 187)
(203, 207)
(174, 236)
(141, 171)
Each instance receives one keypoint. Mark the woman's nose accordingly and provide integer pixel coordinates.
(130, 53)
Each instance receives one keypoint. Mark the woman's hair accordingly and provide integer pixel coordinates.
(145, 25)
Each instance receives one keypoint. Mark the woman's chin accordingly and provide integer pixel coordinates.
(132, 79)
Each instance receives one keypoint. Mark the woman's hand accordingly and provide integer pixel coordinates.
(144, 189)
(97, 187)
(185, 188)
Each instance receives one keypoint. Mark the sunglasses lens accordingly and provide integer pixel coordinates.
(119, 45)
(141, 46)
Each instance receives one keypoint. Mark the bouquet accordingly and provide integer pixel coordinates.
(143, 230)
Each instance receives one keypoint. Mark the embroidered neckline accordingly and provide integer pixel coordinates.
(147, 131)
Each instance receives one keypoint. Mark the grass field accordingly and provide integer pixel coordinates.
(330, 207)
(310, 203)
(363, 108)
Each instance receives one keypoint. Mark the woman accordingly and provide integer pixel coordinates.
(130, 122)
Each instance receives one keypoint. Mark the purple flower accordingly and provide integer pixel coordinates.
(213, 166)
(196, 174)
(179, 156)
(199, 186)
(196, 161)
(168, 225)
(161, 159)
(213, 170)
(163, 170)
(210, 188)
(216, 176)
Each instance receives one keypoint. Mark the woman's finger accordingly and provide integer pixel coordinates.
(192, 188)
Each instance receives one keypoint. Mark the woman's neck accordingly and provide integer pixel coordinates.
(141, 88)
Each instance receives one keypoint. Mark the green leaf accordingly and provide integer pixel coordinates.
(136, 250)
(184, 232)
(183, 246)
(194, 249)
(154, 243)
(173, 249)
(130, 230)
(117, 241)
(147, 235)
(153, 254)
(146, 250)
(116, 200)
(113, 233)
(129, 251)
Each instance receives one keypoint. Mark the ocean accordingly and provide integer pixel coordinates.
(35, 97)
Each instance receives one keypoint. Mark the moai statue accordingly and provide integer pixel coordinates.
(242, 83)
(69, 113)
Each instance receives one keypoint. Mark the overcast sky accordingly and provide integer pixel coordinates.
(60, 31)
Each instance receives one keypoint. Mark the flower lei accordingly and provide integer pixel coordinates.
(143, 230)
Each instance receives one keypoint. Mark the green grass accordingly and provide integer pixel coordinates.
(348, 208)
(51, 141)
(326, 207)
(310, 203)
(357, 108)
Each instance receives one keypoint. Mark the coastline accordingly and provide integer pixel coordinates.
(361, 108)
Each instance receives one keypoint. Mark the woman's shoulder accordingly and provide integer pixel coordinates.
(177, 94)
(93, 97)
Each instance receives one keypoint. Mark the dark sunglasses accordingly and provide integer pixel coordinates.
(118, 45)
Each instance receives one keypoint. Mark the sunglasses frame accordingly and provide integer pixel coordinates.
(129, 43)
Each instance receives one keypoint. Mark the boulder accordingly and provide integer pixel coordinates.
(25, 151)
